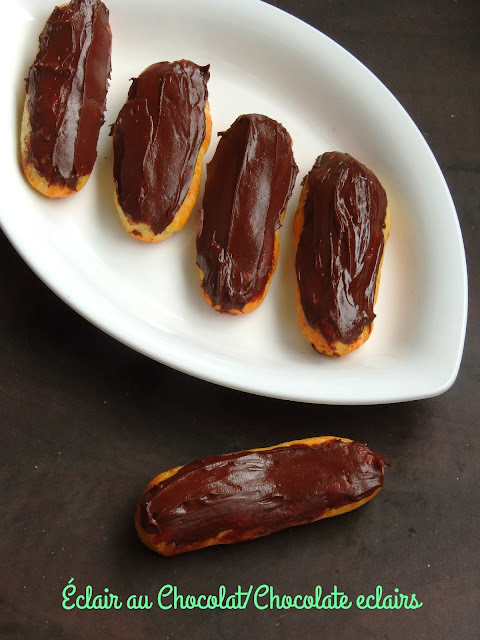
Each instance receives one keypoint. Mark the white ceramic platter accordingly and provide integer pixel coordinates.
(264, 61)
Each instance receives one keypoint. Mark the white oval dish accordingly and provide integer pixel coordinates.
(148, 297)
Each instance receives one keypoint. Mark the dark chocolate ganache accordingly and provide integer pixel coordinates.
(249, 182)
(67, 88)
(156, 140)
(340, 246)
(259, 491)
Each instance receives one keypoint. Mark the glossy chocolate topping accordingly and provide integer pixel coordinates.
(341, 246)
(249, 182)
(259, 491)
(156, 141)
(67, 88)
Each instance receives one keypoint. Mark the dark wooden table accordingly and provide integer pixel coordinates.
(85, 422)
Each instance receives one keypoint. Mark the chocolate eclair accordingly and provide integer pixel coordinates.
(244, 495)
(66, 98)
(341, 227)
(159, 140)
(249, 182)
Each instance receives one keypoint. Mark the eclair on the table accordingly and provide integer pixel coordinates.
(239, 496)
(66, 98)
(341, 227)
(249, 182)
(159, 140)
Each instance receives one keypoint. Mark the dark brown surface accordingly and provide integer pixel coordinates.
(85, 423)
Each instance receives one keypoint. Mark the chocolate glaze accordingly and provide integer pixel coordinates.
(249, 182)
(340, 246)
(258, 492)
(67, 88)
(156, 141)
